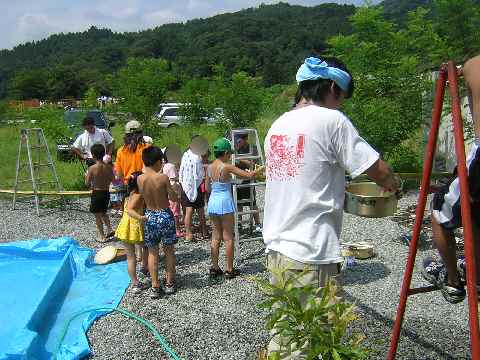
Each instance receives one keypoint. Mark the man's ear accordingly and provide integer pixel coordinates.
(334, 90)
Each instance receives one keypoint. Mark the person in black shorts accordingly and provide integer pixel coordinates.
(191, 177)
(449, 275)
(99, 177)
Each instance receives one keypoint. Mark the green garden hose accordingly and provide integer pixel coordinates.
(128, 314)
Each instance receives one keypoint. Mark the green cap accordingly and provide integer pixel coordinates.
(222, 144)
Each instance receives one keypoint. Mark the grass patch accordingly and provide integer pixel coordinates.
(71, 174)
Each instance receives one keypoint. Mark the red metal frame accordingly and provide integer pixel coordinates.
(446, 71)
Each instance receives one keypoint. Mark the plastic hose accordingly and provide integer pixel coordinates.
(128, 314)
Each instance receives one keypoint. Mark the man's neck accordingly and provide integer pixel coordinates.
(303, 102)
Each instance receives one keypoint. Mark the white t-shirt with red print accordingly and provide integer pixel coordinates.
(308, 151)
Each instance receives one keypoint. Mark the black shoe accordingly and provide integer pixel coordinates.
(213, 273)
(453, 294)
(155, 293)
(231, 274)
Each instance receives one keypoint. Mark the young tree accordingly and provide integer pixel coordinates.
(142, 84)
(198, 99)
(391, 73)
(241, 97)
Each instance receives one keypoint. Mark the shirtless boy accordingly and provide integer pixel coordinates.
(159, 220)
(98, 178)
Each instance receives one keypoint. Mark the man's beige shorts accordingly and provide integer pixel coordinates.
(318, 274)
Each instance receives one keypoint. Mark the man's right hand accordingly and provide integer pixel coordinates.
(381, 173)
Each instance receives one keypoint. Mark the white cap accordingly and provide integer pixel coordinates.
(132, 126)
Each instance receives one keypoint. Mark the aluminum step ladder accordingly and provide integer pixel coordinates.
(34, 156)
(255, 157)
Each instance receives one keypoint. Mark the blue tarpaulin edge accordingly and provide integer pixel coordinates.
(86, 286)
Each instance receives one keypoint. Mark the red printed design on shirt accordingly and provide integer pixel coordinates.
(285, 157)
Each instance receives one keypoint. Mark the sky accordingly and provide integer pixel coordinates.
(29, 20)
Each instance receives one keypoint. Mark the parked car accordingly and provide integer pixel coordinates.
(168, 115)
(72, 120)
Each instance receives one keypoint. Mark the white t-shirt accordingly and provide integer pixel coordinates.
(85, 141)
(191, 174)
(307, 152)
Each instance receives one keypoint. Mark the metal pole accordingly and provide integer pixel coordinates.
(422, 200)
(466, 212)
(18, 169)
(32, 172)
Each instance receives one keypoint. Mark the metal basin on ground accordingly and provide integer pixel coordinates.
(367, 199)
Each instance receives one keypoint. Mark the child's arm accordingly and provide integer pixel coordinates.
(172, 194)
(112, 175)
(208, 185)
(88, 177)
(135, 201)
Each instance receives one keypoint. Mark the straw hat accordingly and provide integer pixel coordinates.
(108, 254)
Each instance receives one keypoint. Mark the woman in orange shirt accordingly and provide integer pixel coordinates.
(129, 160)
(129, 156)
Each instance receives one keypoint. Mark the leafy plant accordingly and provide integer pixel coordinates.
(90, 98)
(198, 100)
(142, 84)
(309, 320)
(241, 98)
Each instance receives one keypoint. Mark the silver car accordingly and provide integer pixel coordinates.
(169, 116)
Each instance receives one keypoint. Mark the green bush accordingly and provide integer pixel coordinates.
(311, 320)
(408, 155)
(403, 158)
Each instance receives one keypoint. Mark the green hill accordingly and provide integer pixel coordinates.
(267, 41)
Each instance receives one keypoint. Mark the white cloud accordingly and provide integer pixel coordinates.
(35, 26)
(162, 17)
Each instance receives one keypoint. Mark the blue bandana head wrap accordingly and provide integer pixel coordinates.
(314, 69)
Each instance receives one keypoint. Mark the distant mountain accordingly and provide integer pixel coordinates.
(398, 9)
(268, 41)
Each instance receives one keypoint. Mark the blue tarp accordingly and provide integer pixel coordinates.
(43, 283)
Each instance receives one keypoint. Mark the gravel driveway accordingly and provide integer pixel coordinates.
(219, 320)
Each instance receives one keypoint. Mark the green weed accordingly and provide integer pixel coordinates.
(310, 320)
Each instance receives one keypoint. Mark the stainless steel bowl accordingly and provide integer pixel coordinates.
(367, 199)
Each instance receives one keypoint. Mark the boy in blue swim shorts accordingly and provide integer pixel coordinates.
(160, 229)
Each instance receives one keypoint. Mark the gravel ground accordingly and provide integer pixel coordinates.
(219, 320)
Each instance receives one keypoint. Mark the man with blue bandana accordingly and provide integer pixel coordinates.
(308, 150)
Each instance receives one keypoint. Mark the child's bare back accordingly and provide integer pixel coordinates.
(156, 190)
(99, 176)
